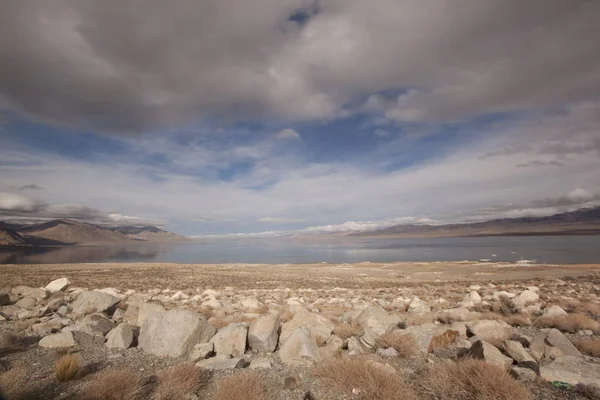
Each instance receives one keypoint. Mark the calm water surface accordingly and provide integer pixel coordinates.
(548, 249)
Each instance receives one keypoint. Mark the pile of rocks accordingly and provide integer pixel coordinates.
(159, 323)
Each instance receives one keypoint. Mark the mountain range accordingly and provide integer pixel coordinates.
(68, 232)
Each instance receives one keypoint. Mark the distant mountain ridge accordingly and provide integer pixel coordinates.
(70, 232)
(579, 222)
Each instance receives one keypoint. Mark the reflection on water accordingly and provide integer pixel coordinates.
(548, 249)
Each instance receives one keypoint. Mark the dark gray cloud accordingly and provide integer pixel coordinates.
(31, 186)
(141, 64)
(538, 163)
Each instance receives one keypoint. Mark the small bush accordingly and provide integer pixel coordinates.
(116, 385)
(346, 331)
(571, 323)
(67, 368)
(179, 381)
(505, 306)
(368, 379)
(470, 379)
(518, 320)
(404, 344)
(588, 346)
(247, 386)
(13, 383)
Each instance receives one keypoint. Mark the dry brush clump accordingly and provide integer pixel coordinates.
(571, 323)
(67, 368)
(505, 306)
(589, 347)
(116, 385)
(470, 379)
(180, 381)
(367, 379)
(246, 385)
(346, 331)
(404, 344)
(13, 383)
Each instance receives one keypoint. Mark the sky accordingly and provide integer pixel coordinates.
(234, 117)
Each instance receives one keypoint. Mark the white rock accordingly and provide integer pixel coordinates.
(375, 321)
(250, 303)
(262, 334)
(418, 306)
(180, 296)
(201, 351)
(299, 348)
(571, 369)
(68, 339)
(58, 285)
(320, 328)
(525, 298)
(484, 351)
(90, 302)
(554, 311)
(490, 330)
(472, 297)
(144, 309)
(260, 363)
(120, 337)
(498, 295)
(231, 340)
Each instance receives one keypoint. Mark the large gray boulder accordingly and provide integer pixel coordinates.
(144, 309)
(68, 339)
(418, 306)
(375, 321)
(554, 311)
(94, 302)
(300, 348)
(490, 354)
(555, 338)
(262, 334)
(320, 328)
(517, 352)
(572, 369)
(26, 291)
(4, 299)
(231, 340)
(120, 337)
(58, 285)
(525, 298)
(490, 330)
(173, 333)
(332, 348)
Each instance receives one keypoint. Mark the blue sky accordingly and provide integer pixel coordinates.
(298, 116)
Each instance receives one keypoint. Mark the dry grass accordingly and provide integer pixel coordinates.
(68, 367)
(504, 306)
(116, 385)
(221, 322)
(404, 344)
(179, 381)
(13, 383)
(470, 379)
(518, 320)
(247, 386)
(346, 331)
(368, 380)
(589, 347)
(571, 323)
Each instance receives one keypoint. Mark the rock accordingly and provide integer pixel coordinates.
(300, 348)
(355, 346)
(319, 327)
(517, 352)
(180, 296)
(250, 303)
(460, 314)
(554, 311)
(260, 363)
(490, 330)
(98, 323)
(46, 328)
(201, 351)
(231, 340)
(68, 339)
(571, 369)
(523, 374)
(525, 298)
(4, 299)
(389, 352)
(442, 341)
(120, 337)
(62, 311)
(555, 338)
(173, 333)
(375, 321)
(262, 334)
(423, 334)
(525, 340)
(482, 350)
(58, 285)
(472, 297)
(222, 363)
(212, 303)
(26, 291)
(332, 348)
(93, 302)
(499, 295)
(418, 306)
(144, 309)
(585, 332)
(27, 302)
(292, 382)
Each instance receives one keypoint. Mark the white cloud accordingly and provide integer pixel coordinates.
(381, 133)
(18, 203)
(288, 134)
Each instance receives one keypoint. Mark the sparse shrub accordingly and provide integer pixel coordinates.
(369, 380)
(470, 379)
(221, 322)
(588, 346)
(67, 367)
(517, 320)
(13, 383)
(247, 386)
(179, 381)
(571, 323)
(404, 344)
(346, 331)
(505, 306)
(116, 385)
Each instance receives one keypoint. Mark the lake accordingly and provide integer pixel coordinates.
(543, 249)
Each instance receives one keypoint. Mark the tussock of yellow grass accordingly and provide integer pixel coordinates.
(180, 381)
(404, 344)
(346, 331)
(589, 347)
(116, 385)
(571, 323)
(13, 383)
(470, 379)
(368, 380)
(246, 386)
(67, 368)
